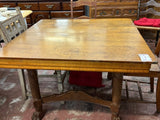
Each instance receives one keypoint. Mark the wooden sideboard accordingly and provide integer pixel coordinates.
(116, 9)
(44, 9)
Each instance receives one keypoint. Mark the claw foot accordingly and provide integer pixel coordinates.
(37, 116)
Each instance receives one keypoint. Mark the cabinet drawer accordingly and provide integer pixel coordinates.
(29, 6)
(6, 4)
(28, 19)
(66, 14)
(49, 6)
(36, 16)
(66, 6)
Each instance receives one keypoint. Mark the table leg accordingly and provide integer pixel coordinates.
(116, 95)
(33, 81)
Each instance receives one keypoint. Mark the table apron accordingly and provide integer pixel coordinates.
(127, 67)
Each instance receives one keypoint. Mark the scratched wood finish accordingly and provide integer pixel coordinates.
(92, 45)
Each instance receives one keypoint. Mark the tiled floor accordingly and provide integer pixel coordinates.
(12, 106)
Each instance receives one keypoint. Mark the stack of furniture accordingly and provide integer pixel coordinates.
(45, 9)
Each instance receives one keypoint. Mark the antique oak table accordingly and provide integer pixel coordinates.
(111, 45)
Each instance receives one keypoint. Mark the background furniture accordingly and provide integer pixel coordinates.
(11, 28)
(7, 38)
(81, 3)
(149, 9)
(115, 9)
(25, 13)
(44, 9)
(61, 9)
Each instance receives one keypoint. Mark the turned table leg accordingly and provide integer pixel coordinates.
(33, 81)
(116, 95)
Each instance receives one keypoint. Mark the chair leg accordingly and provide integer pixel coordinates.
(152, 84)
(158, 95)
(22, 83)
(60, 83)
(157, 37)
(109, 77)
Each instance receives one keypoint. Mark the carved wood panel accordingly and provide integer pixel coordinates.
(116, 8)
(116, 12)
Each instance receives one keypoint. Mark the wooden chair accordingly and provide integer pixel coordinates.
(81, 78)
(147, 9)
(10, 29)
(79, 3)
(154, 72)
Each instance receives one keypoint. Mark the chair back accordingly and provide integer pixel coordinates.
(150, 7)
(78, 3)
(13, 26)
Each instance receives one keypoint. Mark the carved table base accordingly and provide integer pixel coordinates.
(114, 105)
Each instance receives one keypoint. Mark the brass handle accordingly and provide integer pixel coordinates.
(49, 6)
(130, 11)
(117, 12)
(6, 6)
(135, 11)
(28, 6)
(66, 14)
(40, 16)
(102, 13)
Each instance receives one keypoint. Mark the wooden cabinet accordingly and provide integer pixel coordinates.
(115, 9)
(44, 9)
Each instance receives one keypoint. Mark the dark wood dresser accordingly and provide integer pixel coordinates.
(44, 9)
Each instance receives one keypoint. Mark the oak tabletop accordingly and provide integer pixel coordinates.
(95, 40)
